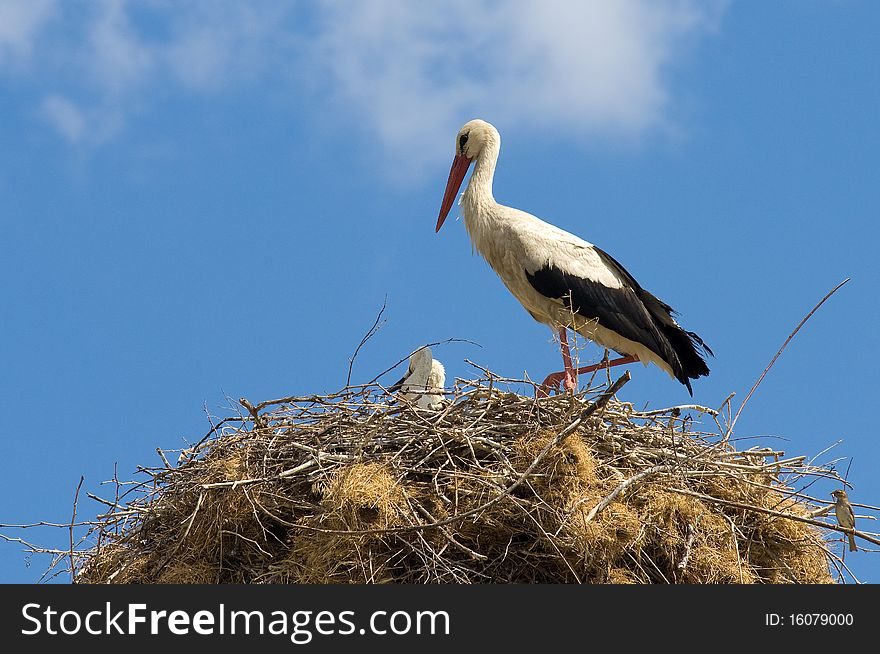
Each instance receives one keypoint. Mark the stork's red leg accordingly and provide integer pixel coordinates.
(607, 364)
(567, 376)
(570, 380)
(553, 379)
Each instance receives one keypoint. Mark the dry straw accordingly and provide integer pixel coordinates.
(359, 487)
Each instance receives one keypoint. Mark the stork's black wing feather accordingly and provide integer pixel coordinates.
(617, 309)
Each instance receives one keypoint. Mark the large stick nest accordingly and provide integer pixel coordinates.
(359, 487)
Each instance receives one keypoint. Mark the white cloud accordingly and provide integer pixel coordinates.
(216, 44)
(199, 58)
(78, 126)
(116, 56)
(65, 117)
(406, 73)
(20, 21)
(425, 68)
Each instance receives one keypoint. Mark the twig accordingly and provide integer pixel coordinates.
(162, 456)
(779, 352)
(688, 544)
(234, 484)
(180, 540)
(65, 525)
(733, 531)
(116, 482)
(594, 407)
(683, 407)
(72, 523)
(622, 486)
(370, 333)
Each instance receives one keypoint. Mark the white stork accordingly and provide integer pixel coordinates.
(423, 381)
(562, 280)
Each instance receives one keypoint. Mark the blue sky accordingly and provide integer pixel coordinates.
(202, 201)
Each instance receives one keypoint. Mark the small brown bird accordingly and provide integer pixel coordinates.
(845, 516)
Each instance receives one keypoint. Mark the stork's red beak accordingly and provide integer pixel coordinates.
(456, 175)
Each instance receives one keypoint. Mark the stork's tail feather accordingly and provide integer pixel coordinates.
(690, 350)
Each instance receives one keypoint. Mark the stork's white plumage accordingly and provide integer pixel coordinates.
(424, 380)
(562, 280)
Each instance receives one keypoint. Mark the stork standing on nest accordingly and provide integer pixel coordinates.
(562, 280)
(423, 381)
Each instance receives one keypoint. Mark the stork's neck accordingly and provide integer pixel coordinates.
(479, 188)
(477, 201)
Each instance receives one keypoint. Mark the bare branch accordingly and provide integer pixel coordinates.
(780, 351)
(370, 333)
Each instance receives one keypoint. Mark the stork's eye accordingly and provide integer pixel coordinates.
(462, 141)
